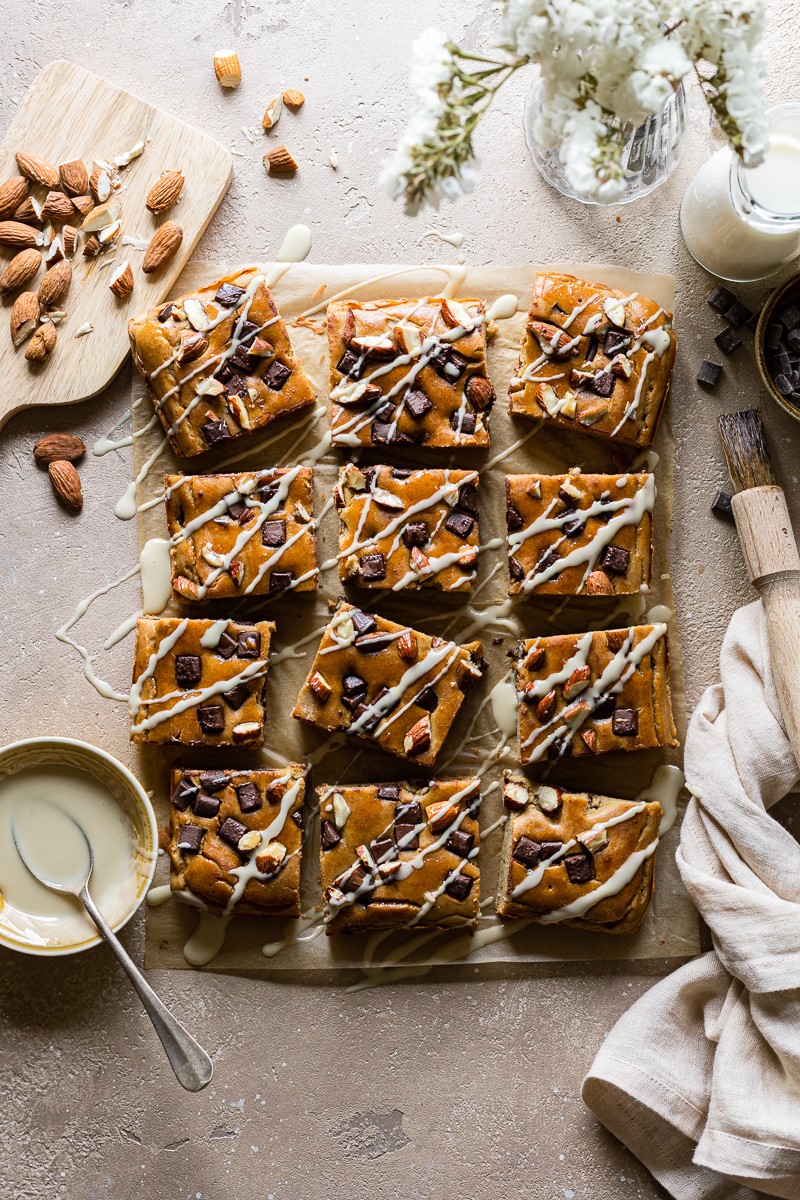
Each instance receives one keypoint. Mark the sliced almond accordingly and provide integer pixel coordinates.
(192, 345)
(615, 311)
(100, 185)
(386, 499)
(341, 810)
(548, 799)
(196, 314)
(29, 212)
(37, 169)
(121, 281)
(249, 841)
(84, 204)
(91, 247)
(109, 233)
(408, 337)
(578, 681)
(553, 342)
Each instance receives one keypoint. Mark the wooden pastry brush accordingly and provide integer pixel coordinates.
(770, 553)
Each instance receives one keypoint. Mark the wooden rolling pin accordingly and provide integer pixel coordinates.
(770, 553)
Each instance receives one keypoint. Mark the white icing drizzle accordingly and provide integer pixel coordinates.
(207, 939)
(154, 564)
(248, 870)
(504, 701)
(158, 895)
(535, 875)
(664, 789)
(503, 307)
(63, 635)
(612, 886)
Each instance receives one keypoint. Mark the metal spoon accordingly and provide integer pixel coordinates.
(192, 1066)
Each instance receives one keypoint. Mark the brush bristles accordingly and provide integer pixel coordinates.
(746, 449)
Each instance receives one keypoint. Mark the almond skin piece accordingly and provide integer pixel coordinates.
(165, 192)
(15, 233)
(279, 161)
(74, 177)
(12, 194)
(24, 316)
(55, 284)
(42, 344)
(163, 247)
(66, 484)
(38, 170)
(20, 270)
(58, 447)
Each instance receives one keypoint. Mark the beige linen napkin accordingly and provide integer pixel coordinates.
(701, 1078)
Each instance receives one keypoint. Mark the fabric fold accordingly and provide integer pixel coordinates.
(701, 1078)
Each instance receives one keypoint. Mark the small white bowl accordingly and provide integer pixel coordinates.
(125, 789)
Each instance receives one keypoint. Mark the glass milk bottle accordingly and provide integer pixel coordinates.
(743, 223)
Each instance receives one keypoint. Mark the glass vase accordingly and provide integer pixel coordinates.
(650, 150)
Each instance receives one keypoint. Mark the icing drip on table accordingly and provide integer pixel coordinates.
(664, 789)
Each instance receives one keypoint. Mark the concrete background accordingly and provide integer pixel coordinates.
(422, 1089)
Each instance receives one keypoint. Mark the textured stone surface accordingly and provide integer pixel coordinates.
(422, 1089)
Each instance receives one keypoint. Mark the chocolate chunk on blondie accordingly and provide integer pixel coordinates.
(582, 694)
(409, 373)
(219, 364)
(232, 535)
(238, 850)
(393, 686)
(199, 682)
(575, 534)
(594, 359)
(575, 857)
(407, 529)
(400, 855)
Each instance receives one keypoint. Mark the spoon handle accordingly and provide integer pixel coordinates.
(192, 1066)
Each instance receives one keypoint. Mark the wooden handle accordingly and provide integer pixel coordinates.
(773, 564)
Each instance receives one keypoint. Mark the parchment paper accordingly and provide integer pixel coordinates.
(670, 929)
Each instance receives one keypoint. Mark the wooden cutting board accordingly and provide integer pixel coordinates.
(70, 113)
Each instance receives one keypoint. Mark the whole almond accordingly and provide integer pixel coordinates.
(74, 177)
(66, 484)
(17, 234)
(164, 192)
(20, 270)
(58, 207)
(279, 161)
(24, 316)
(84, 204)
(38, 169)
(55, 447)
(163, 246)
(42, 343)
(121, 281)
(55, 284)
(12, 194)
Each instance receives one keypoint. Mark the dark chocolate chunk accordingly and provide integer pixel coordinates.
(188, 670)
(417, 403)
(244, 361)
(245, 331)
(184, 794)
(228, 295)
(401, 473)
(560, 748)
(406, 836)
(615, 560)
(372, 567)
(738, 314)
(165, 313)
(573, 528)
(721, 298)
(773, 336)
(388, 791)
(235, 386)
(249, 645)
(625, 722)
(382, 849)
(617, 342)
(468, 498)
(223, 373)
(348, 364)
(527, 852)
(784, 384)
(237, 696)
(547, 559)
(280, 581)
(463, 422)
(603, 383)
(373, 643)
(793, 340)
(205, 806)
(232, 831)
(190, 838)
(789, 316)
(215, 432)
(249, 797)
(721, 505)
(273, 533)
(604, 707)
(354, 879)
(516, 569)
(709, 373)
(329, 835)
(240, 512)
(455, 366)
(459, 887)
(213, 781)
(226, 646)
(381, 432)
(354, 685)
(415, 534)
(460, 842)
(460, 524)
(410, 813)
(362, 622)
(427, 699)
(579, 867)
(297, 817)
(276, 376)
(728, 340)
(514, 518)
(211, 718)
(440, 358)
